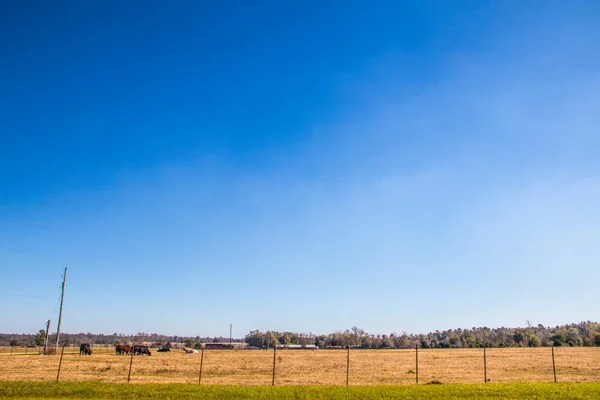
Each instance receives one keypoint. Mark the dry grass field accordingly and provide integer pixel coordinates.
(317, 367)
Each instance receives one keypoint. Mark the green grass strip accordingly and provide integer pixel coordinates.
(98, 390)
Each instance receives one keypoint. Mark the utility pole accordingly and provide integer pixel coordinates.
(46, 337)
(62, 297)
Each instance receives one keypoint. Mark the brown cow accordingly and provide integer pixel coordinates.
(123, 349)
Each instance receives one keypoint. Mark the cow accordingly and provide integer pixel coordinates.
(85, 349)
(189, 351)
(163, 349)
(123, 349)
(141, 350)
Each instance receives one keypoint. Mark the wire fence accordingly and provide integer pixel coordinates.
(308, 367)
(69, 349)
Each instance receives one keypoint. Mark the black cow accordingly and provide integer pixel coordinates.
(163, 349)
(141, 350)
(85, 349)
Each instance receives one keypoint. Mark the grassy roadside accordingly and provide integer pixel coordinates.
(97, 390)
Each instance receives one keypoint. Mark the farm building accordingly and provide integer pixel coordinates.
(221, 345)
(297, 346)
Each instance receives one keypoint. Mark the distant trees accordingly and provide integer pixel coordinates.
(321, 341)
(255, 338)
(573, 337)
(518, 337)
(288, 338)
(558, 337)
(581, 334)
(270, 338)
(154, 340)
(532, 339)
(140, 337)
(40, 338)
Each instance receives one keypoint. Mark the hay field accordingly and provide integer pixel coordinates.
(316, 367)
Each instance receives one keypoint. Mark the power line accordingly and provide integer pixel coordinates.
(26, 295)
(55, 307)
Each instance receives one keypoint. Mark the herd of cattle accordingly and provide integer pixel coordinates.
(121, 349)
(135, 349)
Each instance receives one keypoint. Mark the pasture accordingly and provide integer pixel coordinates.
(317, 367)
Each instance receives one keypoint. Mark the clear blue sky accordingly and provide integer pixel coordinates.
(299, 166)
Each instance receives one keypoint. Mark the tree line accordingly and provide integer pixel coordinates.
(579, 334)
(156, 340)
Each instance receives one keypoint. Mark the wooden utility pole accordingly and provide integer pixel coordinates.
(46, 337)
(62, 298)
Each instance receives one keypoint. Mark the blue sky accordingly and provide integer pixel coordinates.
(398, 166)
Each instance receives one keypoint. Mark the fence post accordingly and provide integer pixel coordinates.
(201, 362)
(417, 362)
(60, 362)
(348, 366)
(274, 355)
(130, 364)
(484, 366)
(553, 364)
